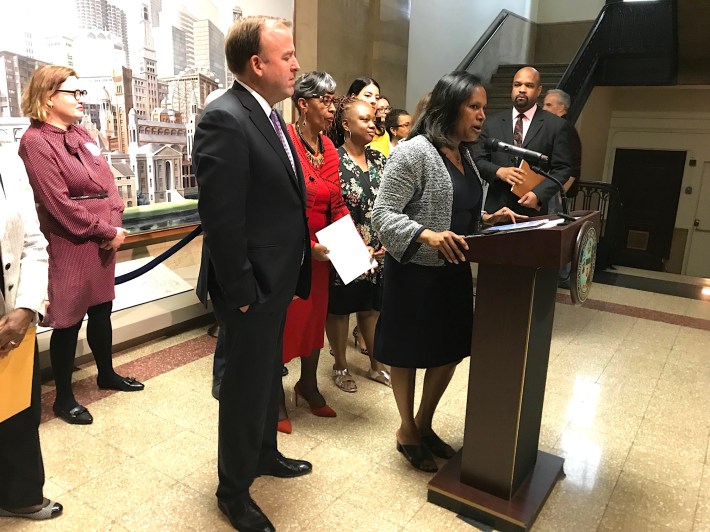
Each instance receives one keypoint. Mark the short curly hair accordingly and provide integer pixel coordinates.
(43, 83)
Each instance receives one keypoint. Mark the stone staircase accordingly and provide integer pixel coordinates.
(500, 86)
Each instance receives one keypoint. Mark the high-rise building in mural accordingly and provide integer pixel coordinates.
(101, 15)
(209, 48)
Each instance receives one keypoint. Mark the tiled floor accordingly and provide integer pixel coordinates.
(627, 406)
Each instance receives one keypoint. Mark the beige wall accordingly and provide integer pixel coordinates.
(559, 42)
(660, 118)
(352, 38)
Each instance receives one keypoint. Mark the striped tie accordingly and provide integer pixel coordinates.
(280, 132)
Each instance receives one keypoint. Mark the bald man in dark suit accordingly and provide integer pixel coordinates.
(530, 127)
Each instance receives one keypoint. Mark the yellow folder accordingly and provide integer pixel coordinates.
(16, 377)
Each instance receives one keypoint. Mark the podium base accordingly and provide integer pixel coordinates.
(516, 514)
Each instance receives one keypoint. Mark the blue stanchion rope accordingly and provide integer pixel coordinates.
(160, 258)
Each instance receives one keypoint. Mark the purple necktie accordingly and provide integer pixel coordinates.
(280, 132)
(518, 131)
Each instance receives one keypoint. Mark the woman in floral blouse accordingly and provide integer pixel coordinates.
(360, 172)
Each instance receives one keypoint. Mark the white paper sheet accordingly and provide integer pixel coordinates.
(346, 250)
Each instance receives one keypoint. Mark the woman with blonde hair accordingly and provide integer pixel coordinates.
(80, 214)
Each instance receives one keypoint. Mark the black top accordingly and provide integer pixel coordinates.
(468, 197)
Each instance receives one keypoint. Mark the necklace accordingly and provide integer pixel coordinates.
(313, 156)
(454, 158)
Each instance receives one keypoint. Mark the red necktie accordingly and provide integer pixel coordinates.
(518, 131)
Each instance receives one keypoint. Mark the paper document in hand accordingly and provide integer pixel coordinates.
(16, 377)
(532, 180)
(346, 250)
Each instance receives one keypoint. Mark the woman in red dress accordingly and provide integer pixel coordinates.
(305, 320)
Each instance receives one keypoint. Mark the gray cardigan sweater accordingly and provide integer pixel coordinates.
(415, 194)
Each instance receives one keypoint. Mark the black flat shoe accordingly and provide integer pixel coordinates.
(283, 467)
(122, 384)
(438, 447)
(78, 415)
(246, 516)
(419, 456)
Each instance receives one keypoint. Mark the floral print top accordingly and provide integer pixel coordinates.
(359, 192)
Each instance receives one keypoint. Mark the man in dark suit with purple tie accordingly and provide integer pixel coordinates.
(255, 255)
(530, 127)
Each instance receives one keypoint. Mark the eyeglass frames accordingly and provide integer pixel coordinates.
(327, 99)
(77, 93)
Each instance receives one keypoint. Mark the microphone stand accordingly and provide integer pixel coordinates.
(565, 215)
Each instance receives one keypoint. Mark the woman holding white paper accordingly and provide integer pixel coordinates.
(313, 96)
(360, 170)
(431, 195)
(23, 291)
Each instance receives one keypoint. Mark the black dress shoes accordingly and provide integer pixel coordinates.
(216, 385)
(246, 516)
(283, 467)
(122, 384)
(78, 415)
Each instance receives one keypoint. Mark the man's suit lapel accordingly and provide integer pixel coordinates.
(506, 129)
(263, 124)
(535, 127)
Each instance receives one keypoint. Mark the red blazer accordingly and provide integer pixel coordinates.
(328, 172)
(62, 168)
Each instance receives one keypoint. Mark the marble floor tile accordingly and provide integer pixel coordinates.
(615, 520)
(654, 333)
(702, 515)
(72, 466)
(433, 518)
(626, 405)
(178, 508)
(658, 503)
(180, 455)
(664, 467)
(398, 505)
(108, 494)
(343, 516)
(665, 438)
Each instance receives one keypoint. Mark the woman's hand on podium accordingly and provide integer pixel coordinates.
(502, 215)
(447, 242)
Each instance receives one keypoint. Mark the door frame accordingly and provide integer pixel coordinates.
(689, 132)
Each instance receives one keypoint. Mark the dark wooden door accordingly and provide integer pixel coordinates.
(649, 182)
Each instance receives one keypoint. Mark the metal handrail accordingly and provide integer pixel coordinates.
(484, 39)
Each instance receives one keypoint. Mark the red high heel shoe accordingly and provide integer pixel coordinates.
(284, 425)
(321, 411)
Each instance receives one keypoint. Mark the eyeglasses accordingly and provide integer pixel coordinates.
(77, 93)
(327, 99)
(385, 108)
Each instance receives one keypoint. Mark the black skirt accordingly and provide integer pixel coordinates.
(357, 296)
(426, 316)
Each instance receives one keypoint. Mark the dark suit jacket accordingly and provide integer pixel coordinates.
(252, 207)
(548, 134)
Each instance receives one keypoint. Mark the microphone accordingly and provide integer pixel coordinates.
(495, 145)
(565, 215)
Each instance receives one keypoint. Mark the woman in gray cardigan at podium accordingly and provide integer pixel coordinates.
(430, 196)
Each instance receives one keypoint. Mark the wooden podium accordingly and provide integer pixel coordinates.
(499, 477)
